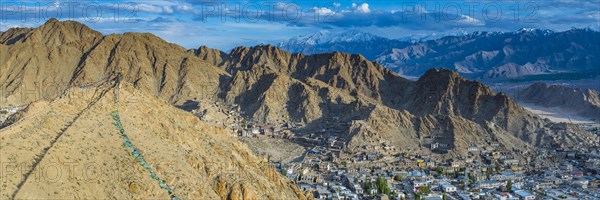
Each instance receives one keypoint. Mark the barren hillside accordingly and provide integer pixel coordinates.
(69, 148)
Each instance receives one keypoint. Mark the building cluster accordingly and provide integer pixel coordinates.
(331, 173)
(488, 170)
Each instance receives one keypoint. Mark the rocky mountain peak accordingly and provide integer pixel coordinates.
(52, 21)
(450, 78)
(441, 73)
(55, 32)
(262, 56)
(445, 92)
(213, 56)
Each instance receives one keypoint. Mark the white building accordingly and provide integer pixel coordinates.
(418, 184)
(447, 187)
(473, 148)
(524, 195)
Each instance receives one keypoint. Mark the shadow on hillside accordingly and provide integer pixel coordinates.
(334, 120)
(189, 105)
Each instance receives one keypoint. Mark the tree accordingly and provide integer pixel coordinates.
(497, 167)
(4, 112)
(424, 190)
(283, 171)
(439, 170)
(471, 179)
(382, 186)
(368, 185)
(397, 177)
(509, 185)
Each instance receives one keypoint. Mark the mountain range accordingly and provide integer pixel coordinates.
(267, 82)
(270, 85)
(482, 55)
(354, 42)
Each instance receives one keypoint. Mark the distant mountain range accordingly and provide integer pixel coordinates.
(485, 55)
(355, 42)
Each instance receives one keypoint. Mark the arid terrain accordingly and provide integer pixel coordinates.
(68, 148)
(186, 109)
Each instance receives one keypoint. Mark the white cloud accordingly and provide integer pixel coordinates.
(362, 8)
(464, 19)
(186, 8)
(336, 4)
(164, 8)
(323, 11)
(168, 9)
(149, 8)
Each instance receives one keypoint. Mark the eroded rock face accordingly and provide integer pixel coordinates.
(74, 132)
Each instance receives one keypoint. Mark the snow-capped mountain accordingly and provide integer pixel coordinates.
(352, 41)
(480, 54)
(357, 42)
(499, 55)
(433, 36)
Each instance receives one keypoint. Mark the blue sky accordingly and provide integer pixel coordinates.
(226, 24)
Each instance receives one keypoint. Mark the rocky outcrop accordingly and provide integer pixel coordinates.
(213, 56)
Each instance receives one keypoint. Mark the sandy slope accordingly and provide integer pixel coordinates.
(53, 153)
